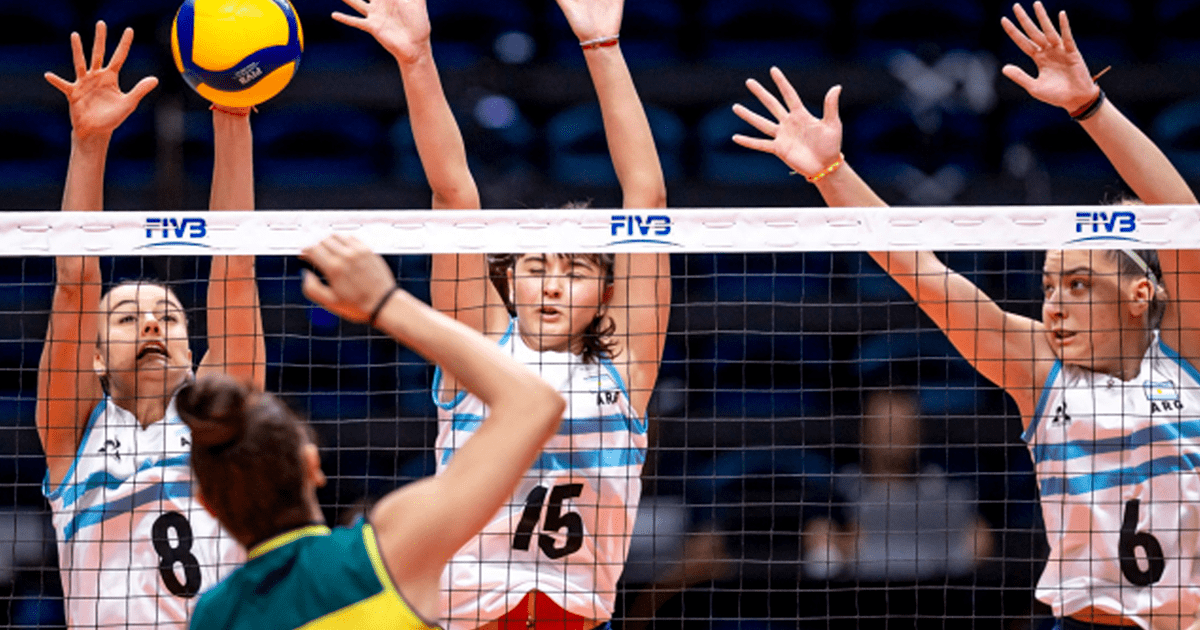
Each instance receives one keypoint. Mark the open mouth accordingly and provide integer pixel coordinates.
(152, 348)
(1063, 335)
(548, 310)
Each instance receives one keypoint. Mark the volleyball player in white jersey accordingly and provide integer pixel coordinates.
(134, 547)
(592, 325)
(1106, 383)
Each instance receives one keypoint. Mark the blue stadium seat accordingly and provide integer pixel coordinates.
(579, 153)
(723, 162)
(759, 33)
(887, 25)
(1177, 131)
(1175, 30)
(650, 35)
(330, 145)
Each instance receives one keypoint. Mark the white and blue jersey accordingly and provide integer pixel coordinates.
(135, 548)
(1118, 465)
(566, 530)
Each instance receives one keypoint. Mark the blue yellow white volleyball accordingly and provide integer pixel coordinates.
(237, 53)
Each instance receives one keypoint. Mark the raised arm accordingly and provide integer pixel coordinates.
(422, 525)
(1064, 80)
(1001, 346)
(641, 302)
(236, 345)
(459, 284)
(68, 387)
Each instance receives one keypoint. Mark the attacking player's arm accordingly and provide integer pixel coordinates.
(459, 284)
(236, 344)
(810, 146)
(1064, 80)
(421, 526)
(640, 305)
(68, 387)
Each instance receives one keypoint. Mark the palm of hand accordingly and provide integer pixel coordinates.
(1061, 77)
(97, 103)
(402, 29)
(593, 19)
(808, 144)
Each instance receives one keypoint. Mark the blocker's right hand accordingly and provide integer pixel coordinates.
(98, 106)
(356, 278)
(804, 142)
(400, 26)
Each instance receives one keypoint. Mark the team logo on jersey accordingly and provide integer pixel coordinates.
(111, 448)
(1061, 417)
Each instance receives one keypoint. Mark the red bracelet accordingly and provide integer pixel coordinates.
(599, 42)
(827, 171)
(221, 108)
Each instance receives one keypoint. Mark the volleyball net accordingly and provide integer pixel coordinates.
(803, 399)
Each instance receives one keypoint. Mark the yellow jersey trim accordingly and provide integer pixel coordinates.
(408, 617)
(283, 539)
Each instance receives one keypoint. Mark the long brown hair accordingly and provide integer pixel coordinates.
(246, 456)
(597, 338)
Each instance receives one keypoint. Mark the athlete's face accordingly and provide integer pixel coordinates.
(556, 297)
(1084, 307)
(143, 340)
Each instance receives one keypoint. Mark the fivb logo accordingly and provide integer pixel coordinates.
(184, 231)
(1105, 226)
(638, 228)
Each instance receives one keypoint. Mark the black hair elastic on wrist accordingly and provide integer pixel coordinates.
(379, 306)
(1090, 109)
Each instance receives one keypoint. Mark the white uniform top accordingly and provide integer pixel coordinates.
(566, 530)
(134, 547)
(1117, 467)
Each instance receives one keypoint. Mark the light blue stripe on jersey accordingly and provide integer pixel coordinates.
(436, 389)
(1031, 430)
(71, 493)
(1084, 484)
(101, 513)
(1185, 364)
(575, 460)
(569, 426)
(1086, 448)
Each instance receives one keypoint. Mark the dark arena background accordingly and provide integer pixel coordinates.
(762, 425)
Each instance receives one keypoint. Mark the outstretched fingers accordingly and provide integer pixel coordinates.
(358, 5)
(1046, 24)
(59, 83)
(98, 45)
(758, 122)
(1024, 43)
(785, 88)
(1034, 33)
(831, 115)
(1068, 39)
(767, 99)
(757, 144)
(143, 87)
(122, 51)
(1018, 76)
(350, 20)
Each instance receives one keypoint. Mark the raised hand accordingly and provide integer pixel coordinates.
(98, 106)
(356, 278)
(400, 26)
(593, 19)
(1063, 79)
(804, 142)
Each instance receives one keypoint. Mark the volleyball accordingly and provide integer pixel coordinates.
(237, 53)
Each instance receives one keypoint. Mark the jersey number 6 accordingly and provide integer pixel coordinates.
(1127, 547)
(556, 519)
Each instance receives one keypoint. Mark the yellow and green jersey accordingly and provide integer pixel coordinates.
(312, 578)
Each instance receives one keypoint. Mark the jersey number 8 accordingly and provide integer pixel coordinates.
(169, 554)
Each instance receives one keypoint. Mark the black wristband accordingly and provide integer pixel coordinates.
(1091, 109)
(379, 306)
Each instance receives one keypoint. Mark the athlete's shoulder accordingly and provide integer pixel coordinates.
(217, 607)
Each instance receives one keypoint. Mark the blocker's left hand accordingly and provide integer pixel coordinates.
(593, 19)
(400, 26)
